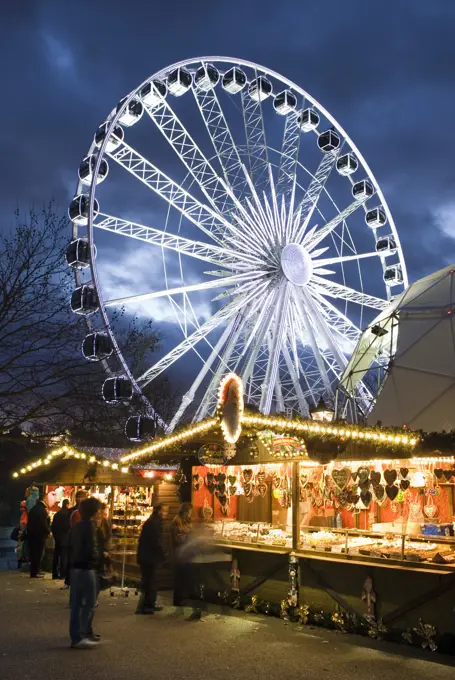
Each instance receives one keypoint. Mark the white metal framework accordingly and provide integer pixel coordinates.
(243, 170)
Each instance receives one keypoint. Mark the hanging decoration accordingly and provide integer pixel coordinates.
(212, 454)
(230, 406)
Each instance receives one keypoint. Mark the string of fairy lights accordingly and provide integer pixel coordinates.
(282, 426)
(69, 452)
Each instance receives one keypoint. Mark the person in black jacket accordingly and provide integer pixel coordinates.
(84, 556)
(150, 554)
(60, 529)
(37, 532)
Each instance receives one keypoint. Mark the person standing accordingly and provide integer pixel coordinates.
(150, 554)
(84, 557)
(60, 528)
(180, 532)
(103, 537)
(74, 516)
(37, 533)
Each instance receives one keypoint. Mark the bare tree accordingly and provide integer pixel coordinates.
(45, 383)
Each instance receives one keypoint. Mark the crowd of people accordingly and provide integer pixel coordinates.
(81, 558)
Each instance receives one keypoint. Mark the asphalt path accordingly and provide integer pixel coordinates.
(34, 644)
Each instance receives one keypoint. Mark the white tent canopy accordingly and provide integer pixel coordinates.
(419, 389)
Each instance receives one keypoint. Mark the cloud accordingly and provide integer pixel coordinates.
(59, 55)
(138, 271)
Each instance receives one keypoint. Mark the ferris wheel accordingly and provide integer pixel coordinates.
(268, 239)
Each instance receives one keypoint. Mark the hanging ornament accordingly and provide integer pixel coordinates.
(341, 478)
(198, 481)
(206, 511)
(430, 510)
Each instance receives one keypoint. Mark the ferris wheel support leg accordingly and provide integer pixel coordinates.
(188, 398)
(274, 356)
(303, 406)
(278, 388)
(320, 323)
(223, 366)
(260, 331)
(313, 342)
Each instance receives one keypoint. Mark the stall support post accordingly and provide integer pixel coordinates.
(295, 505)
(111, 506)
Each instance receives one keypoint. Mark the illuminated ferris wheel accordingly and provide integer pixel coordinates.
(270, 241)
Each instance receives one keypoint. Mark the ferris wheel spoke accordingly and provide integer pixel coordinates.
(303, 404)
(307, 333)
(323, 262)
(213, 187)
(258, 335)
(323, 330)
(221, 137)
(220, 257)
(209, 398)
(337, 321)
(255, 139)
(189, 396)
(289, 154)
(278, 333)
(315, 236)
(314, 191)
(190, 341)
(278, 388)
(202, 216)
(249, 277)
(336, 290)
(205, 218)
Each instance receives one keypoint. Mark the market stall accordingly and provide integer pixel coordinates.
(129, 494)
(322, 520)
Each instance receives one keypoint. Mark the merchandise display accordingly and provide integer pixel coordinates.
(252, 532)
(378, 511)
(248, 505)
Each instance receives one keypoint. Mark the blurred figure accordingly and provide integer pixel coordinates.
(180, 533)
(60, 528)
(37, 533)
(150, 554)
(104, 540)
(199, 549)
(84, 561)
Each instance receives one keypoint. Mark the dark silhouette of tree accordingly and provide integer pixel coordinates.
(46, 385)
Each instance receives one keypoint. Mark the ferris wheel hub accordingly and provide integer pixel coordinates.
(296, 264)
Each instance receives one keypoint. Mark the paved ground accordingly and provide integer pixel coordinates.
(34, 644)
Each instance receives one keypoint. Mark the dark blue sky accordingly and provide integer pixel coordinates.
(384, 69)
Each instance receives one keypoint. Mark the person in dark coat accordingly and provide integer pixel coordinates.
(37, 533)
(84, 557)
(74, 516)
(60, 528)
(150, 554)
